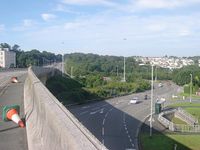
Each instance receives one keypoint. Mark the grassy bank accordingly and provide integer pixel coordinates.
(69, 91)
(168, 141)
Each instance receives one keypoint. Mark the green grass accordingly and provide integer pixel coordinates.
(178, 121)
(195, 112)
(166, 142)
(192, 108)
(185, 104)
(190, 141)
(188, 95)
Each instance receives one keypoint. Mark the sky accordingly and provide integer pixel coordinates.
(105, 27)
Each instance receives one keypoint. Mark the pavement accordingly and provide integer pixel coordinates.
(11, 136)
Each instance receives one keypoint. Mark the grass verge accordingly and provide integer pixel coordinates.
(167, 142)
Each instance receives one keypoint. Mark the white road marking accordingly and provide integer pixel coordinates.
(103, 131)
(111, 109)
(84, 107)
(126, 129)
(94, 112)
(104, 121)
(82, 113)
(106, 114)
(101, 111)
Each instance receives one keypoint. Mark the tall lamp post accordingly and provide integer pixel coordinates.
(124, 79)
(63, 63)
(156, 74)
(151, 115)
(190, 88)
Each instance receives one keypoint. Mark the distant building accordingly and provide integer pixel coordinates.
(7, 58)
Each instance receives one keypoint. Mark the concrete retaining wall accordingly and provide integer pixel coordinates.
(50, 126)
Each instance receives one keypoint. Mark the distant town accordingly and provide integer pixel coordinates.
(166, 62)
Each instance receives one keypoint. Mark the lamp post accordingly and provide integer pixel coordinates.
(117, 71)
(71, 72)
(190, 88)
(63, 62)
(124, 79)
(156, 73)
(151, 115)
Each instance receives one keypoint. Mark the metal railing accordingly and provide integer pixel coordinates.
(191, 128)
(185, 116)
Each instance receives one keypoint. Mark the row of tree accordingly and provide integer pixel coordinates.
(32, 57)
(188, 76)
(84, 64)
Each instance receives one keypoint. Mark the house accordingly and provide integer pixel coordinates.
(7, 58)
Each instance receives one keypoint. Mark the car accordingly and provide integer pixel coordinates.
(160, 85)
(134, 100)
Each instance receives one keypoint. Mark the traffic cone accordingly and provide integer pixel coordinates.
(14, 80)
(12, 114)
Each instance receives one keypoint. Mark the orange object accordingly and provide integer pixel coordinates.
(14, 80)
(12, 114)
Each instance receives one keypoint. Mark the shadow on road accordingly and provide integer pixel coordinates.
(115, 124)
(11, 128)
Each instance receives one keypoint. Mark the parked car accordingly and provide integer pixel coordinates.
(134, 100)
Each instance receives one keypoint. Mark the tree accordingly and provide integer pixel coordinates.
(15, 48)
(5, 45)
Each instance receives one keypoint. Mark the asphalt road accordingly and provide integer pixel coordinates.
(115, 121)
(11, 136)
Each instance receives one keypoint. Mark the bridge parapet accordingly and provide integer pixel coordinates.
(49, 124)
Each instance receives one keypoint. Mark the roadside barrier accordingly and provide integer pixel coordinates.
(49, 124)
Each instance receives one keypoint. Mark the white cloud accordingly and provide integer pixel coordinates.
(184, 32)
(106, 31)
(63, 8)
(72, 25)
(28, 23)
(89, 2)
(48, 17)
(156, 27)
(25, 25)
(2, 27)
(164, 3)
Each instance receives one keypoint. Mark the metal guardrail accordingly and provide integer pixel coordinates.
(179, 127)
(187, 128)
(187, 117)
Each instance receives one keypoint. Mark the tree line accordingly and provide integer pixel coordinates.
(32, 57)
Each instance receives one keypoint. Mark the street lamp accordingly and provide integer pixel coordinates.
(190, 88)
(71, 72)
(124, 69)
(151, 115)
(156, 73)
(63, 62)
(117, 71)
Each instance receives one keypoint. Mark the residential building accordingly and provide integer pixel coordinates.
(7, 58)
